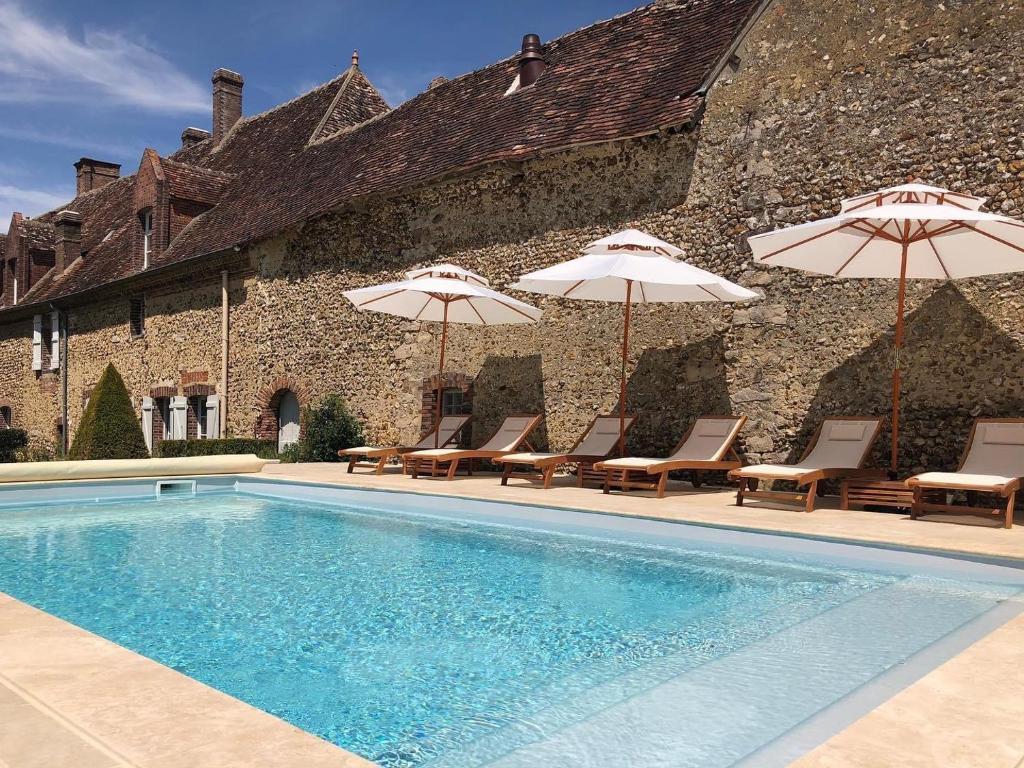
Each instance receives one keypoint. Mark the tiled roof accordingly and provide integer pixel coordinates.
(628, 76)
(190, 182)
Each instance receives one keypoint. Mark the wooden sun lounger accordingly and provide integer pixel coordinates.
(450, 427)
(838, 449)
(599, 440)
(706, 446)
(992, 462)
(510, 436)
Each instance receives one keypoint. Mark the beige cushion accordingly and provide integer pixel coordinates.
(367, 450)
(527, 458)
(772, 471)
(964, 480)
(631, 463)
(434, 453)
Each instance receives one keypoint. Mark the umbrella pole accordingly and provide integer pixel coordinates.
(896, 373)
(622, 376)
(440, 377)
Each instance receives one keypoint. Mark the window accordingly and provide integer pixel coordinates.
(45, 334)
(453, 403)
(5, 417)
(137, 316)
(197, 419)
(147, 236)
(162, 429)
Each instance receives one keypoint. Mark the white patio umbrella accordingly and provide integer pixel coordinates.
(631, 267)
(908, 232)
(444, 293)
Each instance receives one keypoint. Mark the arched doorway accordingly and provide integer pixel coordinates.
(287, 419)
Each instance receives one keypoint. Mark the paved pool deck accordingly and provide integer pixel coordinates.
(70, 698)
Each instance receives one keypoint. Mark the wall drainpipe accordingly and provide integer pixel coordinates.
(62, 347)
(224, 327)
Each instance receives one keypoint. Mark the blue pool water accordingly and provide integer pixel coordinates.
(418, 641)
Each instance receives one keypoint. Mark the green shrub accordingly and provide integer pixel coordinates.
(34, 453)
(265, 449)
(109, 428)
(11, 442)
(329, 427)
(291, 454)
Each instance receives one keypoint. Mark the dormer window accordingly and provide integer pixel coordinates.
(147, 236)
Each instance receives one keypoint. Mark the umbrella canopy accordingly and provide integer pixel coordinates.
(446, 294)
(631, 267)
(913, 231)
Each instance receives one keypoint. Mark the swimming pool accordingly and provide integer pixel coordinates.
(420, 631)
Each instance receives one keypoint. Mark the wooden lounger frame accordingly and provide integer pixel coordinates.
(811, 478)
(470, 455)
(727, 459)
(922, 506)
(383, 454)
(546, 466)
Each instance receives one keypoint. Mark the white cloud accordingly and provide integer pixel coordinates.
(40, 62)
(30, 202)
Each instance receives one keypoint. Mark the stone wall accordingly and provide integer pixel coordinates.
(831, 99)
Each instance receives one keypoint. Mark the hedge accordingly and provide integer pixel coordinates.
(110, 428)
(265, 449)
(11, 441)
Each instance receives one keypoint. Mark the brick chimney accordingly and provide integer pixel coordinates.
(227, 102)
(93, 174)
(192, 136)
(69, 238)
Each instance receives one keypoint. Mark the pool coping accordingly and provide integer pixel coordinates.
(841, 749)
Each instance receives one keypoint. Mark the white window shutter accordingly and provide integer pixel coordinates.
(147, 422)
(179, 418)
(37, 343)
(55, 341)
(213, 416)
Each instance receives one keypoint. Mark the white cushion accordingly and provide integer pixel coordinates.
(632, 463)
(772, 471)
(964, 480)
(846, 431)
(1002, 434)
(526, 458)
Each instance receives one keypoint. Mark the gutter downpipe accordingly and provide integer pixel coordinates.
(62, 346)
(224, 328)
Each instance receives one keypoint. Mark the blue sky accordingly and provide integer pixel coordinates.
(107, 79)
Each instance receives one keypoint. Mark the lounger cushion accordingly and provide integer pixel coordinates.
(772, 471)
(527, 458)
(632, 463)
(367, 450)
(436, 453)
(963, 480)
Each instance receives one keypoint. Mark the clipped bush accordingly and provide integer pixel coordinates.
(265, 449)
(109, 427)
(11, 442)
(329, 427)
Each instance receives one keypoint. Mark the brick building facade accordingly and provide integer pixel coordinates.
(698, 121)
